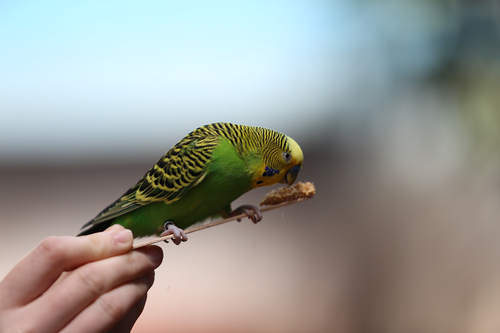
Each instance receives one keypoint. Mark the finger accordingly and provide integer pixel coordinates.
(118, 309)
(40, 268)
(126, 324)
(87, 283)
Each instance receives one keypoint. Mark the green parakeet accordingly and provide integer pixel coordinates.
(199, 177)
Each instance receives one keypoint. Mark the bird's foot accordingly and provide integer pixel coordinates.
(251, 211)
(171, 229)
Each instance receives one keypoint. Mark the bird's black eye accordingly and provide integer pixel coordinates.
(287, 157)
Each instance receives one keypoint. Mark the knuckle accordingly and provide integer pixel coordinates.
(21, 328)
(17, 326)
(91, 280)
(112, 308)
(25, 328)
(51, 249)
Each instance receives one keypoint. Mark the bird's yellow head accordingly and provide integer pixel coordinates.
(282, 160)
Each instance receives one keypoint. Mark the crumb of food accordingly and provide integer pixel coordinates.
(282, 194)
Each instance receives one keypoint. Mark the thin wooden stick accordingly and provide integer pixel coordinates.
(218, 222)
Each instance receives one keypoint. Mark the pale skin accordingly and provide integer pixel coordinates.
(79, 284)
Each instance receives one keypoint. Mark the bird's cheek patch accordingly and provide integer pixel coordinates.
(269, 172)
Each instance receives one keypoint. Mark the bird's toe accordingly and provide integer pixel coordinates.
(178, 234)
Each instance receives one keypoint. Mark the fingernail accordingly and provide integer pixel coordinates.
(155, 255)
(124, 236)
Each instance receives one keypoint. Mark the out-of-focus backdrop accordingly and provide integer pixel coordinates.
(396, 105)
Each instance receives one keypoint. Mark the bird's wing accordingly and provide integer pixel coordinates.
(181, 168)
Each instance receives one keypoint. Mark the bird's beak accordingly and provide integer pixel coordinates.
(291, 175)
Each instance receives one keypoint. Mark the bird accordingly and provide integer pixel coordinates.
(199, 178)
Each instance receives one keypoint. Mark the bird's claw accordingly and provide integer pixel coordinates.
(251, 211)
(171, 229)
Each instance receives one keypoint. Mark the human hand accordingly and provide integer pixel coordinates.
(79, 284)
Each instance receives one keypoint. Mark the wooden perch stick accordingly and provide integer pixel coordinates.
(218, 222)
(302, 196)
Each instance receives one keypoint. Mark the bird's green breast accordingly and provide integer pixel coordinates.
(228, 176)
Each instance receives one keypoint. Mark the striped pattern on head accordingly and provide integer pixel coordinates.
(248, 139)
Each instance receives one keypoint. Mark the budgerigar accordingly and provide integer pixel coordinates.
(200, 177)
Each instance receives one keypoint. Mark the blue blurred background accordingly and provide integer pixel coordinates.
(396, 105)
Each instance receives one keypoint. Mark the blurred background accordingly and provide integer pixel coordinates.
(396, 105)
